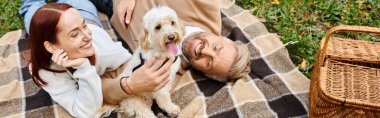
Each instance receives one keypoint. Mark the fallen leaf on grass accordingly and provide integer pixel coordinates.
(302, 65)
(327, 24)
(292, 10)
(364, 13)
(276, 2)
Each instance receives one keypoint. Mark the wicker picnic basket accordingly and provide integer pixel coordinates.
(346, 77)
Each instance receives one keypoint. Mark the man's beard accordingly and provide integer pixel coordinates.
(186, 49)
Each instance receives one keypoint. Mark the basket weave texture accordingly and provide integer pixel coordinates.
(346, 77)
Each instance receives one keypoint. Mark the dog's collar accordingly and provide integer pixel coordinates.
(143, 61)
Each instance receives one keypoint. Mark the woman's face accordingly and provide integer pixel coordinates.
(73, 35)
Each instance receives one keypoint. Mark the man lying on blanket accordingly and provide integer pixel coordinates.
(265, 96)
(216, 56)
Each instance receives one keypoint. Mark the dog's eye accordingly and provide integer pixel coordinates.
(173, 22)
(158, 27)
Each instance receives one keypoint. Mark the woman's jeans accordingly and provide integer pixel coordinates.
(86, 9)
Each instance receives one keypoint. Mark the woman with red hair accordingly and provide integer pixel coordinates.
(69, 54)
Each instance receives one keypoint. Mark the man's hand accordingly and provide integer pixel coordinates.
(124, 10)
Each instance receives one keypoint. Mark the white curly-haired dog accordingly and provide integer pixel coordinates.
(162, 37)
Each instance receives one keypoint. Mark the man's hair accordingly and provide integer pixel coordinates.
(241, 67)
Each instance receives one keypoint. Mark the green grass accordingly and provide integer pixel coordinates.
(9, 18)
(304, 22)
(307, 21)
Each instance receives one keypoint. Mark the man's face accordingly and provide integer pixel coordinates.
(212, 55)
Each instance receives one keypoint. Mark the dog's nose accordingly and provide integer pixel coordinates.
(171, 37)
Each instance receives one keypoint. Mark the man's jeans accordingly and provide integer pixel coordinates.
(86, 9)
(104, 6)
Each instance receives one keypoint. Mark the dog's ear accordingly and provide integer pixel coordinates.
(144, 39)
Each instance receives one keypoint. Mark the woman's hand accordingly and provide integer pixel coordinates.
(149, 77)
(124, 10)
(60, 57)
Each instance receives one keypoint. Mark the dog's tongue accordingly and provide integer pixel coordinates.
(172, 48)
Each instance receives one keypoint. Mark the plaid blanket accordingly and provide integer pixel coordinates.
(274, 88)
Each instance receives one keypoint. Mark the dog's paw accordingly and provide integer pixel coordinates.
(146, 115)
(173, 115)
(130, 112)
(173, 110)
(140, 114)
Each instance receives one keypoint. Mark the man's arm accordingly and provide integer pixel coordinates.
(124, 10)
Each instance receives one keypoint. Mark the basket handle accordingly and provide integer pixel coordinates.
(346, 28)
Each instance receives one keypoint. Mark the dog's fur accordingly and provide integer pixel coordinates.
(160, 25)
